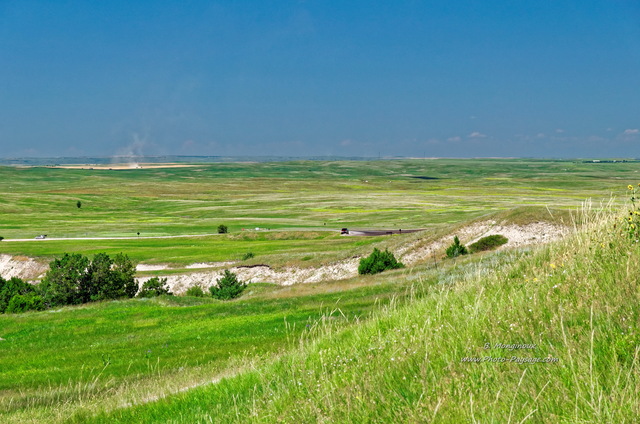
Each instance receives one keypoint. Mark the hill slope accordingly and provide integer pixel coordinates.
(572, 307)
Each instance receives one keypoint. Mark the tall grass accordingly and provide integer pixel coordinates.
(575, 300)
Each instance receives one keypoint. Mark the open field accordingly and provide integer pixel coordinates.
(304, 195)
(382, 348)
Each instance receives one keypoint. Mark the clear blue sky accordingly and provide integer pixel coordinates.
(411, 78)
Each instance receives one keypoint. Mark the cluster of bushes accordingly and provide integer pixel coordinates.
(378, 261)
(485, 243)
(72, 280)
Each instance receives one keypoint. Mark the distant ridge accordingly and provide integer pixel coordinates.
(119, 159)
(123, 159)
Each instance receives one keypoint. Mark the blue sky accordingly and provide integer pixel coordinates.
(407, 78)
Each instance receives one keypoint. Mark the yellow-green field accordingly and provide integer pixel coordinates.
(292, 196)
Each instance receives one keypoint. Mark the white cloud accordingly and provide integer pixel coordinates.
(477, 134)
(632, 131)
(559, 130)
(454, 139)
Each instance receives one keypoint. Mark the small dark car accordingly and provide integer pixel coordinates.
(344, 231)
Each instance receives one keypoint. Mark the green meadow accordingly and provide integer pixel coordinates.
(103, 355)
(279, 196)
(392, 347)
(275, 248)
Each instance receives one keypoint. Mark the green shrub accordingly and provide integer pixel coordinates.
(155, 287)
(247, 255)
(456, 248)
(223, 229)
(488, 243)
(1, 238)
(195, 291)
(11, 288)
(229, 287)
(378, 261)
(21, 303)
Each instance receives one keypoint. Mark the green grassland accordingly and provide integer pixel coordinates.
(291, 196)
(272, 248)
(106, 354)
(383, 348)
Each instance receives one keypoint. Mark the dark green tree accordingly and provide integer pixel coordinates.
(97, 279)
(229, 287)
(62, 283)
(222, 229)
(74, 279)
(155, 287)
(79, 204)
(121, 282)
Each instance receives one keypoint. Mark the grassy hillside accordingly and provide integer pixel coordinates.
(109, 353)
(576, 301)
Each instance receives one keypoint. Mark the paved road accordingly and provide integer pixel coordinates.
(111, 238)
(379, 232)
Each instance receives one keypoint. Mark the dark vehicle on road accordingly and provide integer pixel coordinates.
(344, 231)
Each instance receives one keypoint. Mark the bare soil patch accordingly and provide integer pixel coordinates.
(22, 267)
(518, 235)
